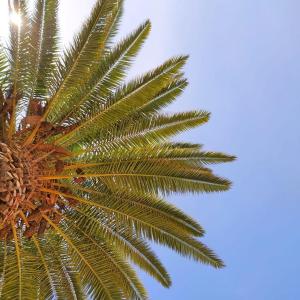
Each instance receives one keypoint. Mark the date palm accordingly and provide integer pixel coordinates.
(86, 157)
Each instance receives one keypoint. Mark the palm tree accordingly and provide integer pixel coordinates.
(86, 158)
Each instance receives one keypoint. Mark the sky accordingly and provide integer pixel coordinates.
(244, 68)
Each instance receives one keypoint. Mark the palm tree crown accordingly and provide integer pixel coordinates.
(86, 157)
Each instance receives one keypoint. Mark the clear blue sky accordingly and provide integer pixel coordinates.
(244, 68)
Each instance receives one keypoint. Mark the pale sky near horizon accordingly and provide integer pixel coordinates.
(244, 68)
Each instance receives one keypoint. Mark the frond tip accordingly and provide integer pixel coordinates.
(86, 157)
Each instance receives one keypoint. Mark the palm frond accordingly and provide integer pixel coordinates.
(44, 48)
(19, 264)
(4, 69)
(72, 276)
(3, 265)
(87, 48)
(93, 269)
(127, 99)
(47, 281)
(96, 223)
(64, 274)
(164, 97)
(151, 229)
(108, 75)
(18, 58)
(132, 133)
(163, 153)
(121, 273)
(19, 47)
(20, 271)
(149, 205)
(4, 83)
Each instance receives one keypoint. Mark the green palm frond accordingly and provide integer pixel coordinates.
(133, 133)
(73, 278)
(47, 280)
(4, 79)
(87, 48)
(87, 158)
(144, 176)
(124, 241)
(162, 153)
(44, 49)
(18, 58)
(152, 207)
(19, 271)
(149, 227)
(19, 48)
(120, 272)
(94, 269)
(59, 278)
(11, 286)
(4, 67)
(19, 268)
(109, 75)
(127, 99)
(164, 97)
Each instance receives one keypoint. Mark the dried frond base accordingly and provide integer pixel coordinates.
(21, 200)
